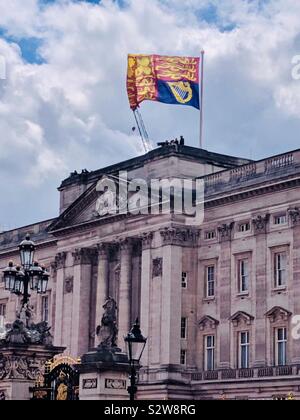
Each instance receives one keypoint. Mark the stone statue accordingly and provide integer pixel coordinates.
(25, 331)
(26, 315)
(108, 331)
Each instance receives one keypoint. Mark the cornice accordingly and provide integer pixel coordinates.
(251, 192)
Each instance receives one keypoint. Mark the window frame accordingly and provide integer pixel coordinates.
(280, 219)
(244, 346)
(283, 341)
(183, 355)
(183, 328)
(212, 350)
(208, 282)
(277, 272)
(241, 276)
(242, 227)
(184, 280)
(45, 298)
(210, 235)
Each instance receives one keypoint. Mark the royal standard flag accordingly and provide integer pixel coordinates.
(172, 80)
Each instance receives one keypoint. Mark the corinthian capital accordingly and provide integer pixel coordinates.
(180, 236)
(147, 239)
(60, 260)
(125, 244)
(84, 255)
(225, 232)
(103, 249)
(295, 216)
(260, 223)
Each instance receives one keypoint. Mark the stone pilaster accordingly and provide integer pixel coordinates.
(102, 282)
(83, 259)
(260, 228)
(295, 221)
(124, 304)
(224, 287)
(59, 267)
(172, 241)
(145, 291)
(169, 263)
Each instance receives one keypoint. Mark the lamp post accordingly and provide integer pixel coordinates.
(19, 280)
(135, 343)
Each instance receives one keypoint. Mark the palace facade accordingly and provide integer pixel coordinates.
(216, 301)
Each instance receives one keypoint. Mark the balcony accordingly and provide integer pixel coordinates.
(246, 374)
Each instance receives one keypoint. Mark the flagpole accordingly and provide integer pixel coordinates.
(201, 99)
(139, 128)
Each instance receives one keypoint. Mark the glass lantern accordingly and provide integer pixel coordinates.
(9, 276)
(19, 282)
(35, 274)
(27, 248)
(135, 343)
(43, 281)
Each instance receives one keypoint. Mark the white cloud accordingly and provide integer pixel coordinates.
(71, 111)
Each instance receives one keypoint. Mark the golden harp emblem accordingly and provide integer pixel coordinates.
(182, 91)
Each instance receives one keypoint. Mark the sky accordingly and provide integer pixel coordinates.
(64, 106)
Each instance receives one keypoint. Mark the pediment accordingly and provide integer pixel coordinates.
(208, 322)
(278, 313)
(96, 204)
(83, 210)
(241, 316)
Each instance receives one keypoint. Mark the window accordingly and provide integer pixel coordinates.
(244, 227)
(3, 309)
(210, 281)
(184, 280)
(45, 308)
(183, 327)
(244, 347)
(280, 269)
(209, 348)
(280, 346)
(182, 357)
(210, 234)
(243, 275)
(280, 219)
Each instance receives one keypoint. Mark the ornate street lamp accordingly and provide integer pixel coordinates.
(135, 343)
(18, 280)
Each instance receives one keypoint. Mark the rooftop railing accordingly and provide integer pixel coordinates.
(253, 170)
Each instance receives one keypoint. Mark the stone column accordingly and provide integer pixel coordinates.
(145, 292)
(59, 265)
(82, 260)
(224, 287)
(102, 283)
(124, 304)
(260, 229)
